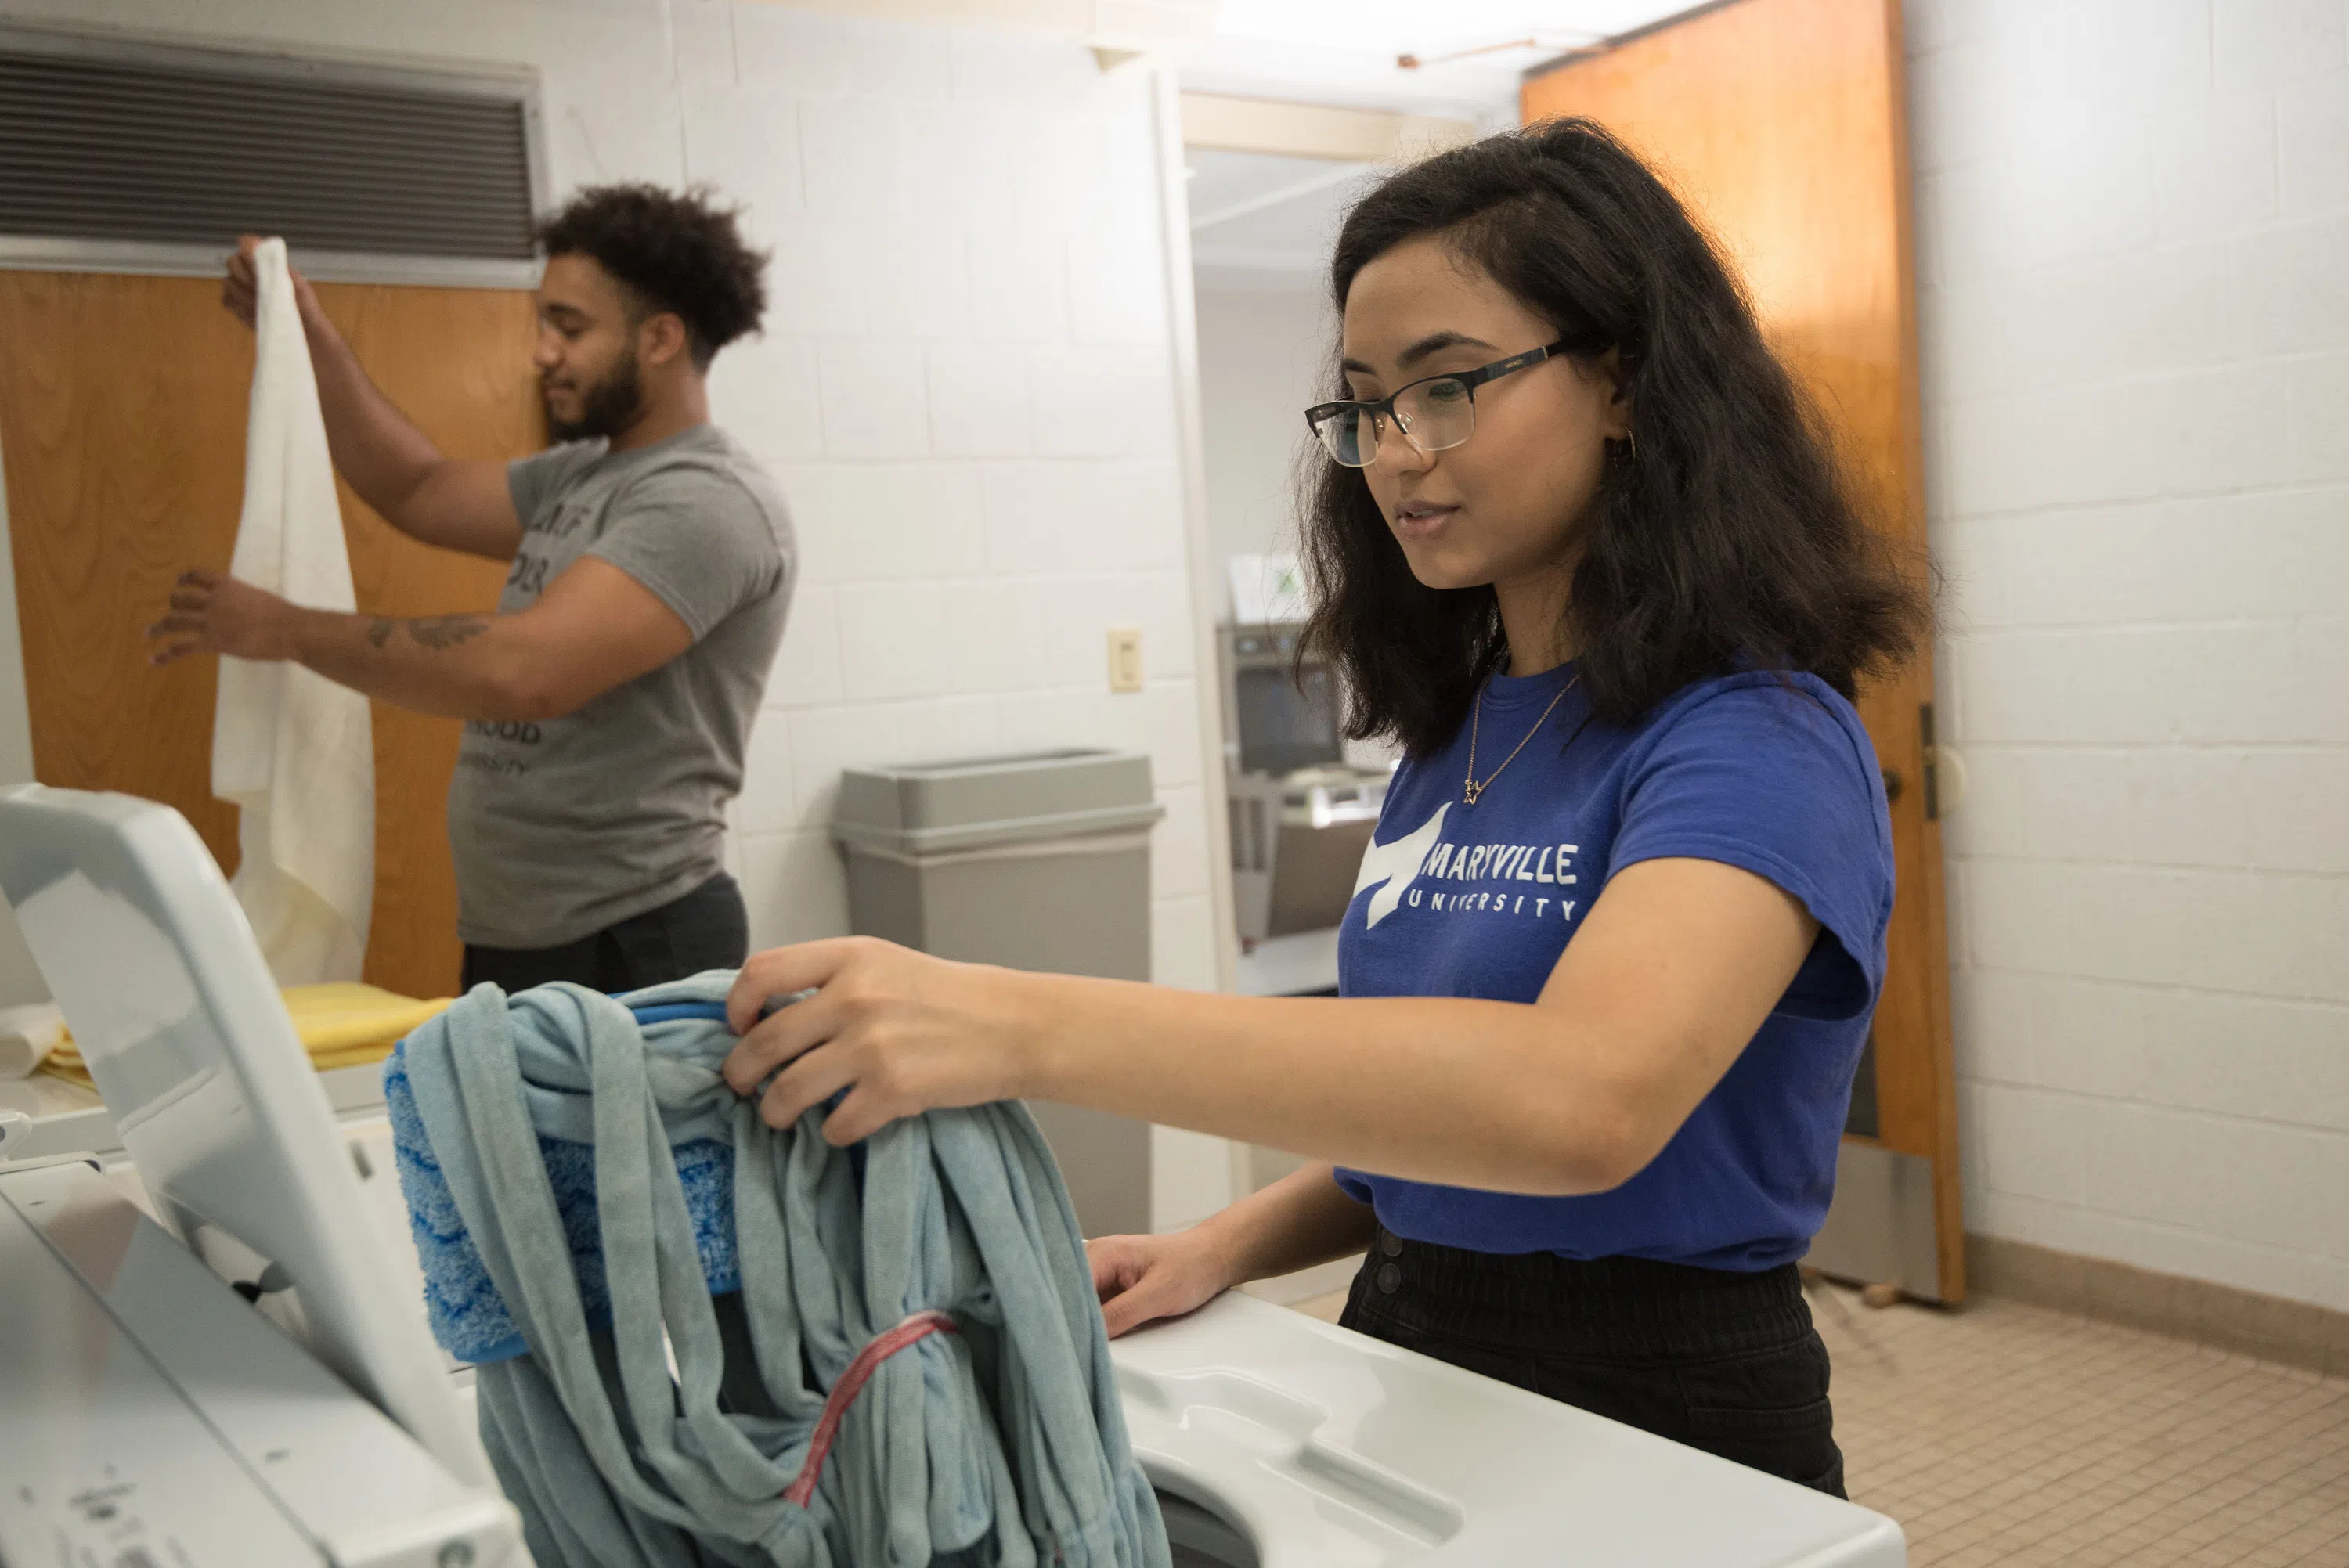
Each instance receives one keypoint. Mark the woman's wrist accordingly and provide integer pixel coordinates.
(1031, 1029)
(1225, 1246)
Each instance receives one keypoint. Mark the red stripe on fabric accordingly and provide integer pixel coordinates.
(918, 1327)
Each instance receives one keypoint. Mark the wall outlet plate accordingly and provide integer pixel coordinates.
(1125, 658)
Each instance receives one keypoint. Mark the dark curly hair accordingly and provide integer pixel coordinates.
(676, 252)
(1725, 540)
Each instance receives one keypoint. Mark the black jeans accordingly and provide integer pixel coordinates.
(1724, 1362)
(705, 929)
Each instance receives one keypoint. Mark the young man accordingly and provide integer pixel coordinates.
(609, 698)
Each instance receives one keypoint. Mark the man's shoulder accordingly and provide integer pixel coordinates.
(545, 474)
(711, 474)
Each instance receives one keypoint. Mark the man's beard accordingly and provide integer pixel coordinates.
(607, 409)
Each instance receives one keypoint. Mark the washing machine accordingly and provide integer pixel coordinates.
(1275, 1441)
(1278, 1441)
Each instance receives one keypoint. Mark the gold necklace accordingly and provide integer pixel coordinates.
(1471, 790)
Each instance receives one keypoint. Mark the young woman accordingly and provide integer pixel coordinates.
(1613, 957)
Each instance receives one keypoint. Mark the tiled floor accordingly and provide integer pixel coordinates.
(2014, 1435)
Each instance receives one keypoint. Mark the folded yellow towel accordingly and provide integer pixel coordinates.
(343, 1024)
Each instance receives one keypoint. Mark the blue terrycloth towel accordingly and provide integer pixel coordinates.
(468, 1317)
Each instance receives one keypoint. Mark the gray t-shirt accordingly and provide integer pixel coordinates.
(562, 827)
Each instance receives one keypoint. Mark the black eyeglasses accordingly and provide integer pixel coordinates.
(1433, 413)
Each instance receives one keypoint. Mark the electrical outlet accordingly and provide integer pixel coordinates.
(1125, 658)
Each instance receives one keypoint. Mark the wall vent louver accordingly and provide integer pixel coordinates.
(121, 156)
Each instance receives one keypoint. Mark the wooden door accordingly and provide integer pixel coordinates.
(122, 411)
(1781, 124)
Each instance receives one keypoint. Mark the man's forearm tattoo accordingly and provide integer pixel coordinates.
(447, 631)
(435, 631)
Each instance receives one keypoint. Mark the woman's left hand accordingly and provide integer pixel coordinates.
(901, 1031)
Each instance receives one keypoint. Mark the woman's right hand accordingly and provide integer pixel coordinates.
(1142, 1278)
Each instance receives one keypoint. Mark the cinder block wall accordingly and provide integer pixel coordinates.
(2133, 223)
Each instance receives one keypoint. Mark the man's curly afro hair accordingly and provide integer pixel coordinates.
(677, 251)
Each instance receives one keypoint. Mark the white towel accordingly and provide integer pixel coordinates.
(291, 749)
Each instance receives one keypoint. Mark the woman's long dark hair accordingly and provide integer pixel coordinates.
(1725, 539)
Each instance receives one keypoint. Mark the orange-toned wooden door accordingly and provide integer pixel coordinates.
(122, 410)
(1781, 123)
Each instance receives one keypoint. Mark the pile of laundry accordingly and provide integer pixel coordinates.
(883, 1355)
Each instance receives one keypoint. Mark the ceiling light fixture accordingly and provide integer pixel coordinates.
(1421, 62)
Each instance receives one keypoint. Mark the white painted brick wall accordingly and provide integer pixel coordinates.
(2133, 225)
(965, 388)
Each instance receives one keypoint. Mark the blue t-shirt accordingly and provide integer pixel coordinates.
(1767, 772)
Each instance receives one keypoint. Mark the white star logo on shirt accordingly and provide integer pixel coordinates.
(1397, 865)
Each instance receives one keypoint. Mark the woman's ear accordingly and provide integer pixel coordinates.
(1615, 424)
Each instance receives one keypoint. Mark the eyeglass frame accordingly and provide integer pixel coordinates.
(1384, 408)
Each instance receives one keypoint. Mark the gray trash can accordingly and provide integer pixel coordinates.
(1039, 860)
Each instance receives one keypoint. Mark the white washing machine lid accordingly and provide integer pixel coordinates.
(1331, 1450)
